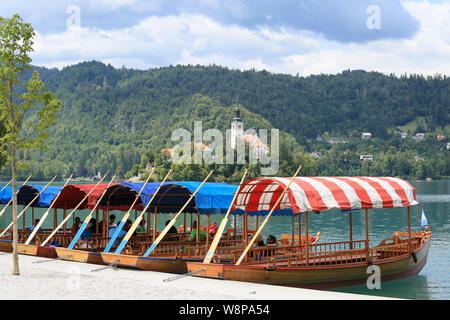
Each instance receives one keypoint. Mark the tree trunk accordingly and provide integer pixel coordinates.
(14, 214)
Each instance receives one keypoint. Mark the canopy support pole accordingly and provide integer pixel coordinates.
(65, 225)
(208, 221)
(246, 227)
(258, 232)
(198, 228)
(409, 230)
(367, 236)
(293, 230)
(154, 222)
(307, 240)
(351, 230)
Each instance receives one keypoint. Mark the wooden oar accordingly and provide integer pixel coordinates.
(125, 217)
(139, 218)
(255, 236)
(70, 214)
(10, 201)
(172, 222)
(223, 224)
(6, 185)
(29, 204)
(89, 217)
(44, 216)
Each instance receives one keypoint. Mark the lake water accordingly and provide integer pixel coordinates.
(433, 282)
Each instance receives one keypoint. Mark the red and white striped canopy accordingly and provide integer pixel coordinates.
(324, 193)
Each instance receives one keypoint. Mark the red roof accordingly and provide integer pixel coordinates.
(73, 194)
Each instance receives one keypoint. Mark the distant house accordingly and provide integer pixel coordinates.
(403, 135)
(366, 158)
(203, 148)
(366, 136)
(319, 138)
(335, 140)
(315, 154)
(258, 147)
(440, 137)
(170, 151)
(419, 136)
(417, 158)
(148, 167)
(448, 145)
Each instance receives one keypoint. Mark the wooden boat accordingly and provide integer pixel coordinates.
(79, 255)
(324, 265)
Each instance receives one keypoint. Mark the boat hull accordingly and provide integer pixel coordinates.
(38, 251)
(162, 264)
(6, 246)
(314, 277)
(120, 260)
(159, 264)
(28, 249)
(79, 256)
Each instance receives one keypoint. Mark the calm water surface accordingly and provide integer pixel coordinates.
(433, 282)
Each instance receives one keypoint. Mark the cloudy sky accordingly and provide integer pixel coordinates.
(282, 36)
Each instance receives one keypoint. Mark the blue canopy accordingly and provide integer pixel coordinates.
(213, 198)
(6, 195)
(28, 192)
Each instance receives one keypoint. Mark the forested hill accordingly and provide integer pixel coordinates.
(304, 107)
(110, 117)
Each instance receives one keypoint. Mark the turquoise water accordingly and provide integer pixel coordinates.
(433, 282)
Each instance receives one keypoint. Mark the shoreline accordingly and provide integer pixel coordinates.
(48, 279)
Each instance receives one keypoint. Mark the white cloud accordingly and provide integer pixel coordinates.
(196, 39)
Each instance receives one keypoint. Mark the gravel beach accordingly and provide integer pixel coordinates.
(55, 279)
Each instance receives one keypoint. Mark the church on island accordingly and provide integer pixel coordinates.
(256, 146)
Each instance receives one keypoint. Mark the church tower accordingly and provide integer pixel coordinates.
(237, 127)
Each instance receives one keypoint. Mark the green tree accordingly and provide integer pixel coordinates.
(24, 128)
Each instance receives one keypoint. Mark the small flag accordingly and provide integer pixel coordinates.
(424, 220)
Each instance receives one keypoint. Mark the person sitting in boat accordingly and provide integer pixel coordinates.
(193, 235)
(112, 221)
(84, 241)
(127, 225)
(259, 242)
(213, 229)
(93, 226)
(271, 241)
(142, 227)
(76, 225)
(172, 231)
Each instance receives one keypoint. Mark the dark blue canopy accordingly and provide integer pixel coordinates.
(28, 192)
